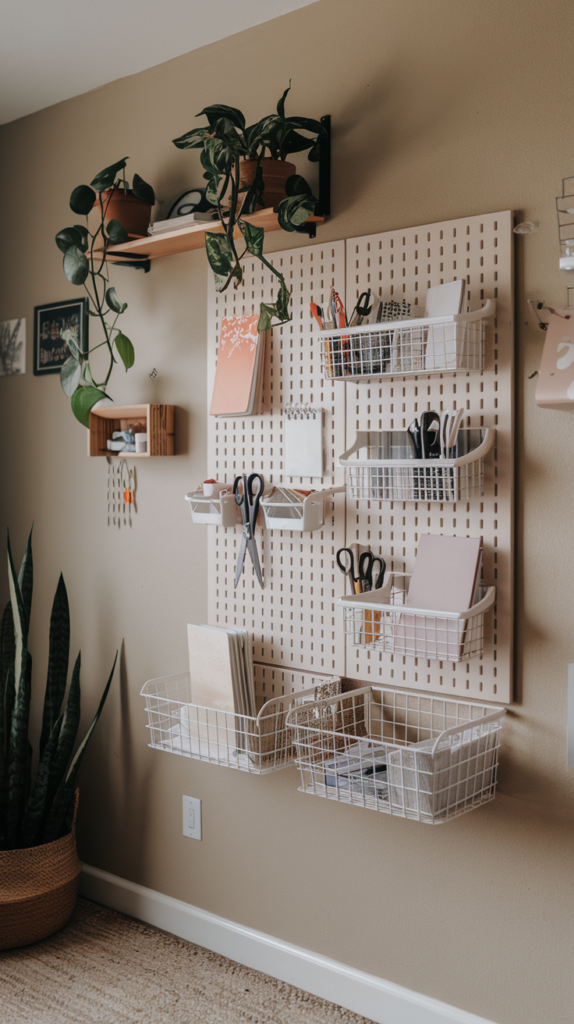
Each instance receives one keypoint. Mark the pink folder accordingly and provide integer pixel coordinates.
(236, 366)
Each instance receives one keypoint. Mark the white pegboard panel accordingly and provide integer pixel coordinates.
(294, 619)
(403, 265)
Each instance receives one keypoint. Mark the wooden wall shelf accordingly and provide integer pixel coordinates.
(186, 239)
(154, 420)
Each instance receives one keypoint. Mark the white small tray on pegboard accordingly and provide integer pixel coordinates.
(288, 509)
(416, 756)
(220, 510)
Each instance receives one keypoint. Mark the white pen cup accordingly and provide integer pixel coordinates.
(141, 443)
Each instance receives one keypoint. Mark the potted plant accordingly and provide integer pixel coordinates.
(241, 177)
(85, 264)
(39, 866)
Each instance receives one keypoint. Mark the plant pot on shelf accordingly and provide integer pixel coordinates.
(275, 174)
(38, 890)
(133, 214)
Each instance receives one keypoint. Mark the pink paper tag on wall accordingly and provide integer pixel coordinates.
(555, 384)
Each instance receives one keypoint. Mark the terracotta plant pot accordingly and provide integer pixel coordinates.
(38, 890)
(275, 174)
(133, 213)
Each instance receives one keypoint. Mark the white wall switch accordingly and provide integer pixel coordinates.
(192, 817)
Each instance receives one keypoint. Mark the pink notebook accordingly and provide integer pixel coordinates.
(237, 364)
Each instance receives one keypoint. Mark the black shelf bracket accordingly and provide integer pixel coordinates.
(131, 260)
(323, 207)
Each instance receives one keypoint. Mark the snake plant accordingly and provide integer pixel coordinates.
(32, 813)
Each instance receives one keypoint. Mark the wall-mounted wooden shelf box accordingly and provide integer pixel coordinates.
(154, 420)
(192, 237)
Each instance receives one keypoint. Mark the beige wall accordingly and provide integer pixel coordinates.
(441, 108)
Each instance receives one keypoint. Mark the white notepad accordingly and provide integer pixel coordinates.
(303, 441)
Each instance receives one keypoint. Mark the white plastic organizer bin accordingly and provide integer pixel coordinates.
(380, 620)
(259, 745)
(217, 511)
(417, 756)
(380, 467)
(399, 348)
(288, 509)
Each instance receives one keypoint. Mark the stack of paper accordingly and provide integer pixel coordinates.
(240, 363)
(221, 669)
(174, 223)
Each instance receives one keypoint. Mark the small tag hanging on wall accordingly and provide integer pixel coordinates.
(122, 484)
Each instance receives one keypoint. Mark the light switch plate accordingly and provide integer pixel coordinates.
(192, 817)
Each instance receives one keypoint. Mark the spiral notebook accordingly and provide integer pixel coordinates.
(303, 441)
(239, 373)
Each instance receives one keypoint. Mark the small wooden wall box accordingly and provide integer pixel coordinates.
(154, 420)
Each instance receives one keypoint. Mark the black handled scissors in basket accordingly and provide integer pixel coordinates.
(366, 566)
(248, 502)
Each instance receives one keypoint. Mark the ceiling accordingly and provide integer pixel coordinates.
(51, 51)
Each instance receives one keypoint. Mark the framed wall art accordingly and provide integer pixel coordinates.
(12, 347)
(51, 321)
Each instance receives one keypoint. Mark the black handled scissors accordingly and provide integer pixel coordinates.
(366, 565)
(346, 563)
(249, 504)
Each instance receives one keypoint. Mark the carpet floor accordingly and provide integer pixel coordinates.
(104, 968)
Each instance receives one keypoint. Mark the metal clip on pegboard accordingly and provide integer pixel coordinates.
(286, 509)
(414, 756)
(380, 620)
(406, 348)
(259, 745)
(380, 467)
(220, 510)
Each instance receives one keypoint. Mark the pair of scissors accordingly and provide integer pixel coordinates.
(363, 579)
(248, 502)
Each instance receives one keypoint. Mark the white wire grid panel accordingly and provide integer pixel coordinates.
(426, 758)
(402, 265)
(258, 745)
(293, 619)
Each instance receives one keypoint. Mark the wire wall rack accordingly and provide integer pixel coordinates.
(285, 509)
(415, 756)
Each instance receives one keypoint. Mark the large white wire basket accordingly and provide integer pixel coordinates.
(406, 348)
(258, 745)
(380, 467)
(416, 756)
(380, 620)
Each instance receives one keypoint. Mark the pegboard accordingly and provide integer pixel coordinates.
(295, 621)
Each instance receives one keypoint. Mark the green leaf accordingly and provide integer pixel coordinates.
(70, 338)
(82, 401)
(116, 232)
(219, 110)
(106, 178)
(58, 655)
(279, 309)
(82, 200)
(7, 650)
(68, 237)
(19, 616)
(212, 189)
(36, 806)
(192, 140)
(68, 732)
(26, 580)
(254, 237)
(125, 350)
(295, 210)
(70, 375)
(281, 104)
(83, 232)
(254, 197)
(76, 266)
(18, 757)
(113, 301)
(219, 253)
(297, 186)
(142, 190)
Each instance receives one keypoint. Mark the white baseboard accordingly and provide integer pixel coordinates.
(378, 1000)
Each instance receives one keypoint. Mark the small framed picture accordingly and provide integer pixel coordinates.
(50, 321)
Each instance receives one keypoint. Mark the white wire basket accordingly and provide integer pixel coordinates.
(413, 755)
(259, 745)
(217, 511)
(380, 467)
(406, 348)
(381, 621)
(285, 510)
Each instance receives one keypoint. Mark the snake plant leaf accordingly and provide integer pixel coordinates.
(125, 350)
(281, 103)
(219, 253)
(76, 266)
(82, 401)
(60, 806)
(7, 649)
(116, 232)
(142, 190)
(19, 617)
(218, 110)
(82, 200)
(295, 210)
(70, 374)
(254, 237)
(18, 755)
(58, 655)
(113, 301)
(296, 185)
(67, 237)
(68, 733)
(39, 798)
(26, 579)
(192, 140)
(106, 178)
(254, 197)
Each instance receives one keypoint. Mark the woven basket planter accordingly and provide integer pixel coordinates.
(38, 890)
